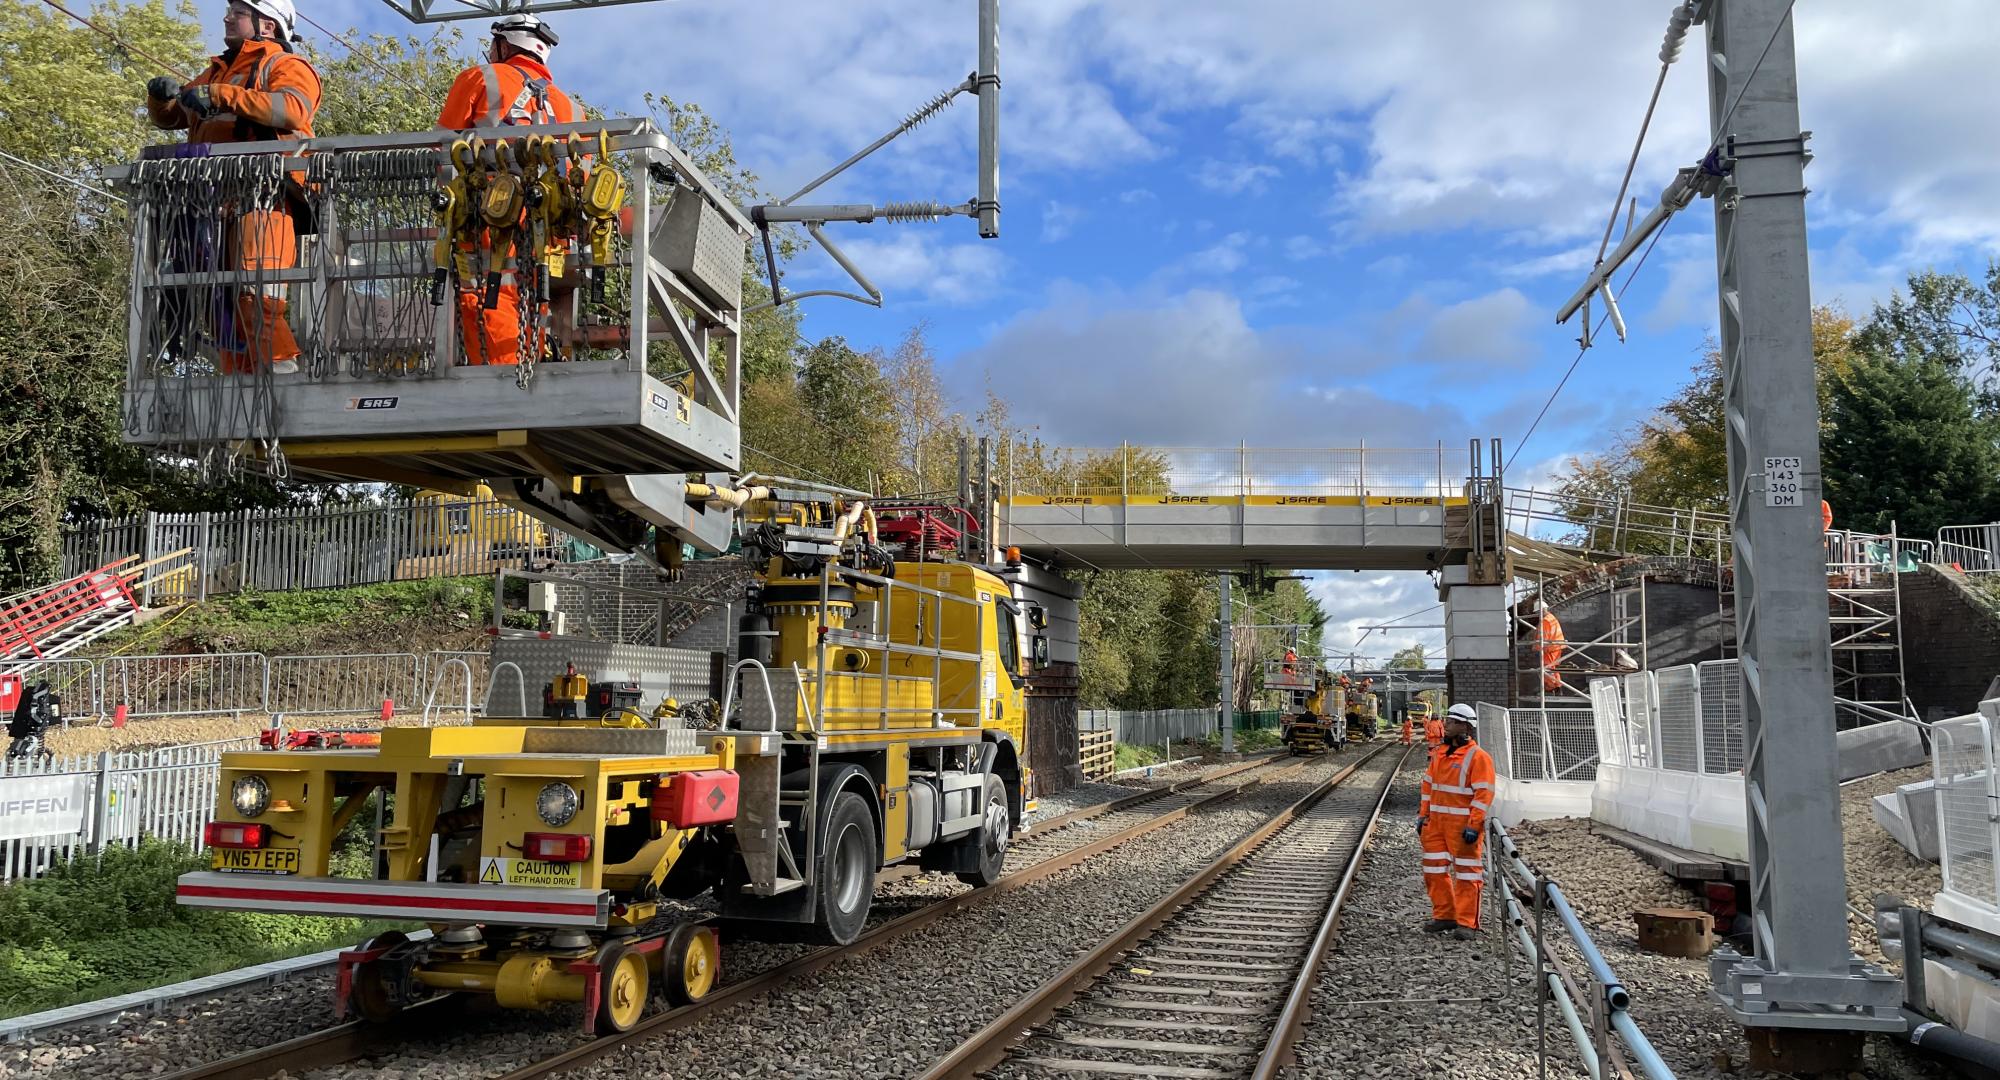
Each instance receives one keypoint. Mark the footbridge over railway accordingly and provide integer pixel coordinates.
(1351, 508)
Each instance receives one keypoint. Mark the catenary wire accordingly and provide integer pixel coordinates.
(123, 46)
(70, 180)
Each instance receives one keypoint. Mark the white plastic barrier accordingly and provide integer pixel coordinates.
(1652, 720)
(1541, 761)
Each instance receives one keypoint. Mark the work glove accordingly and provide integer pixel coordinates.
(162, 88)
(1423, 822)
(1470, 835)
(199, 100)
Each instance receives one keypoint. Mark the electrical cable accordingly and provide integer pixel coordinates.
(70, 180)
(1602, 319)
(123, 46)
(364, 56)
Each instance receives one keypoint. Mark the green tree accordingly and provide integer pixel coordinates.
(1908, 447)
(383, 83)
(1947, 319)
(1678, 458)
(1410, 659)
(72, 99)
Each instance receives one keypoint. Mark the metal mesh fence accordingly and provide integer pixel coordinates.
(1497, 736)
(1963, 760)
(1639, 725)
(1607, 712)
(1721, 717)
(352, 683)
(200, 684)
(1678, 693)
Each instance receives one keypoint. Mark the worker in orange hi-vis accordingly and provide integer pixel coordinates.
(1552, 650)
(1825, 516)
(1456, 794)
(258, 90)
(1433, 730)
(513, 88)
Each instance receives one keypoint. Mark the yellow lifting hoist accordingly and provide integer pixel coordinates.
(500, 203)
(599, 190)
(453, 202)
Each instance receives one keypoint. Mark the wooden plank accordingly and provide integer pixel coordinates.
(1676, 861)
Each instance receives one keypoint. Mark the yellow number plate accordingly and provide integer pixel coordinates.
(255, 860)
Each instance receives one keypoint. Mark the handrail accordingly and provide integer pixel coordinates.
(1612, 997)
(729, 692)
(430, 700)
(493, 678)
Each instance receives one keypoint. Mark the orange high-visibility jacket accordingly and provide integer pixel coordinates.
(518, 90)
(261, 93)
(1458, 786)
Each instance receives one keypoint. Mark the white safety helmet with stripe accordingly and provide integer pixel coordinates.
(525, 32)
(283, 13)
(1463, 713)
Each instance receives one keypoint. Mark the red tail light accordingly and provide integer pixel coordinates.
(556, 847)
(235, 834)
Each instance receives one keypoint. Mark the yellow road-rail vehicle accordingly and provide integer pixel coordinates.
(1310, 730)
(881, 718)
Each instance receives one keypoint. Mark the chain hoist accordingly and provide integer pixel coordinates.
(600, 195)
(500, 206)
(452, 202)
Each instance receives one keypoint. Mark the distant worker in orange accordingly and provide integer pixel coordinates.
(258, 90)
(1552, 650)
(513, 88)
(1825, 516)
(1291, 660)
(1457, 793)
(1433, 730)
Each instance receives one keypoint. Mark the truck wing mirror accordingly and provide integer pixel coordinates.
(1040, 651)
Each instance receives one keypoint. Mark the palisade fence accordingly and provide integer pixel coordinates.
(323, 547)
(85, 804)
(1148, 727)
(234, 684)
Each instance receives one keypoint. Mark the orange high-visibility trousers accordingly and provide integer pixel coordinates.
(491, 335)
(265, 240)
(1468, 874)
(1437, 870)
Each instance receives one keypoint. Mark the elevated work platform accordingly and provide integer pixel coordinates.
(1215, 509)
(622, 283)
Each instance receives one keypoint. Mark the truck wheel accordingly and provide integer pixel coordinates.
(848, 857)
(990, 842)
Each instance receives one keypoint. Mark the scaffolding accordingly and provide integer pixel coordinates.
(1865, 612)
(1556, 673)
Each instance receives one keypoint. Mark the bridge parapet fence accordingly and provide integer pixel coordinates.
(1128, 472)
(1974, 549)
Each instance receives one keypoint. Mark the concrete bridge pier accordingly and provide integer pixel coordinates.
(1477, 665)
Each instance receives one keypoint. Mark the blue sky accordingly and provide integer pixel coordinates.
(1307, 224)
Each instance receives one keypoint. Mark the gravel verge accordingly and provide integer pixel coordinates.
(1606, 882)
(1383, 953)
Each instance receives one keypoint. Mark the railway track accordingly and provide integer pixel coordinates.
(1046, 849)
(1214, 980)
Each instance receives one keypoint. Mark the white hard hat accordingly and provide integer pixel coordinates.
(527, 33)
(1463, 712)
(287, 17)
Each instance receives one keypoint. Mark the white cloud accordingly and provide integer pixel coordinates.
(1235, 177)
(1302, 247)
(1058, 218)
(910, 259)
(1135, 196)
(1487, 331)
(1355, 601)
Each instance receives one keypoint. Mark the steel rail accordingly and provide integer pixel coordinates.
(1143, 795)
(991, 1045)
(1298, 1004)
(343, 1043)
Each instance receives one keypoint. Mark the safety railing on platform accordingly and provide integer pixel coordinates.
(1595, 1009)
(1146, 472)
(82, 805)
(1608, 524)
(1974, 549)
